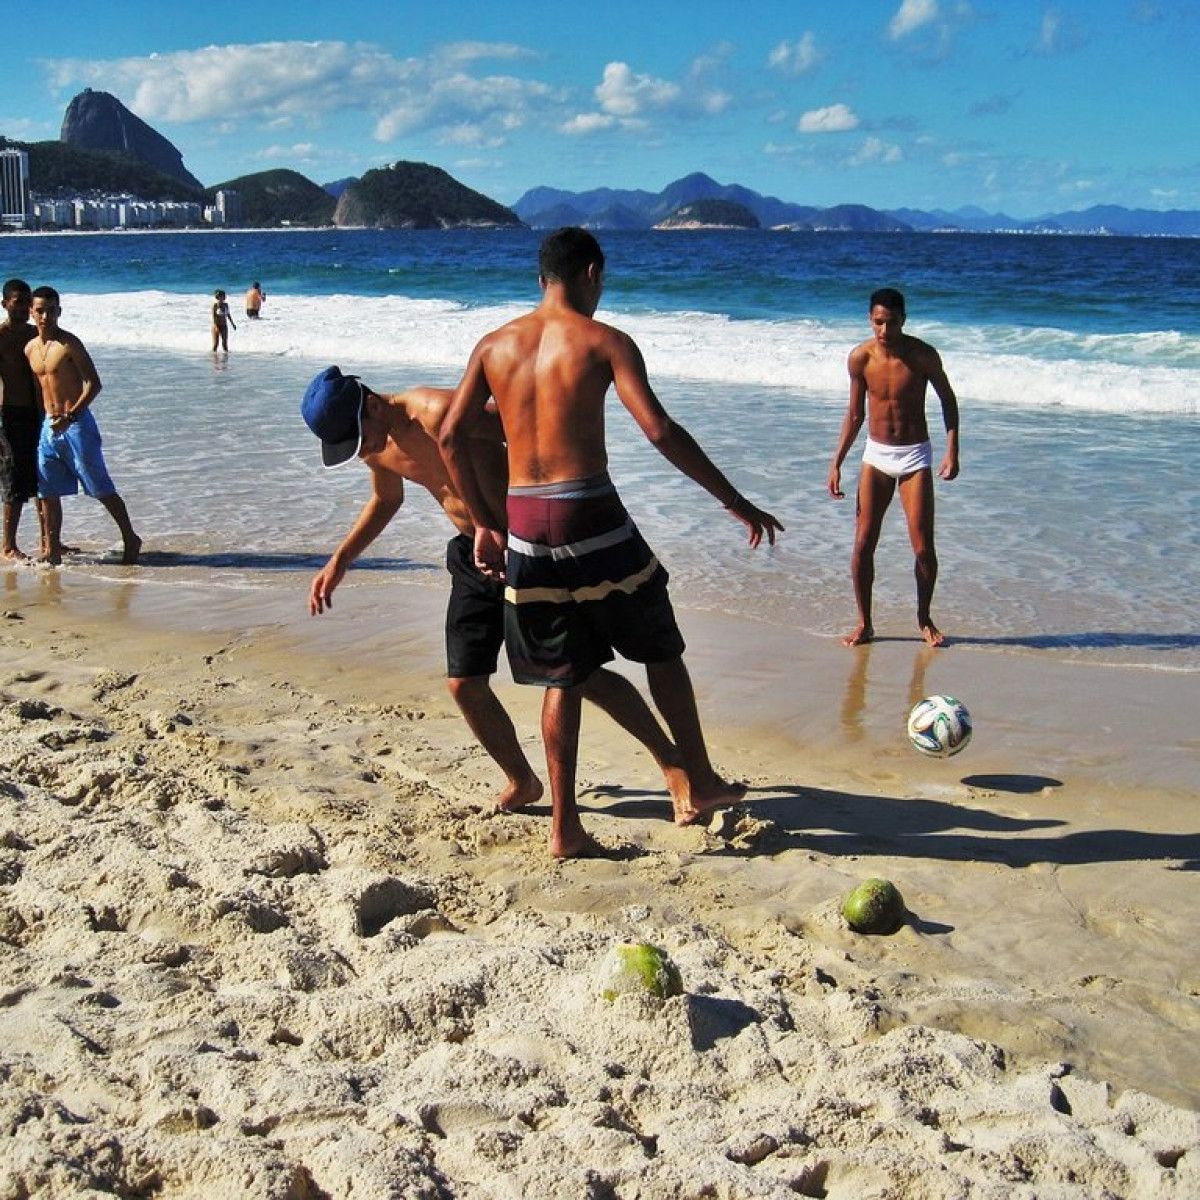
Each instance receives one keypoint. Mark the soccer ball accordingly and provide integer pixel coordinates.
(939, 726)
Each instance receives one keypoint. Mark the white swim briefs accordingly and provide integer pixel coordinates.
(898, 461)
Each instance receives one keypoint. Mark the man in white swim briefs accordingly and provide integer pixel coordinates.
(889, 373)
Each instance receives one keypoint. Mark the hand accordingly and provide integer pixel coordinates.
(59, 422)
(949, 468)
(755, 519)
(320, 595)
(491, 552)
(835, 483)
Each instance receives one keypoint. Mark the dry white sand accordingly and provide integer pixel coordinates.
(260, 936)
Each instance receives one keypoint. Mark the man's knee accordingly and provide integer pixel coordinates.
(467, 687)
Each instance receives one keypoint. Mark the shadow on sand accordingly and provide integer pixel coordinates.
(842, 823)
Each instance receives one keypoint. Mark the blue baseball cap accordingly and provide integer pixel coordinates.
(332, 408)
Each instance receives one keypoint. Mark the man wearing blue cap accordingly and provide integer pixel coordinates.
(396, 436)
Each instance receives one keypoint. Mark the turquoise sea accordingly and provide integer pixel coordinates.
(1074, 529)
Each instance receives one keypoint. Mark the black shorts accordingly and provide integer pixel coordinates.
(474, 615)
(18, 469)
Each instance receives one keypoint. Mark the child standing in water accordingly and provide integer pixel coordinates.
(221, 320)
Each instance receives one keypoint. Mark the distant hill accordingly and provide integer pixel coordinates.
(410, 195)
(852, 218)
(58, 169)
(609, 208)
(337, 186)
(1102, 218)
(279, 197)
(99, 121)
(710, 214)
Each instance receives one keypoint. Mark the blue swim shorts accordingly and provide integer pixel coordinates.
(73, 458)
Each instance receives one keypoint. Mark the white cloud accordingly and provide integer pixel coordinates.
(302, 151)
(583, 124)
(874, 150)
(795, 58)
(279, 81)
(834, 118)
(912, 14)
(621, 93)
(1048, 32)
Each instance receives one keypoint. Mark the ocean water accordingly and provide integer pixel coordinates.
(1073, 530)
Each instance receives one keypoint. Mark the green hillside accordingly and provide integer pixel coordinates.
(409, 195)
(279, 197)
(58, 169)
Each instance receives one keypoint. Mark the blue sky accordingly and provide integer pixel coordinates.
(1021, 107)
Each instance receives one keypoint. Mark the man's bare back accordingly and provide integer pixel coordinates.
(409, 448)
(550, 371)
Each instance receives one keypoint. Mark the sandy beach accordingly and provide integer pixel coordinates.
(262, 937)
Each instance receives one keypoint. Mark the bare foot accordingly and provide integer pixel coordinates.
(581, 846)
(15, 555)
(679, 785)
(932, 634)
(702, 802)
(50, 559)
(519, 795)
(860, 637)
(133, 548)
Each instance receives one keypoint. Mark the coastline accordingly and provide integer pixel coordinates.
(247, 856)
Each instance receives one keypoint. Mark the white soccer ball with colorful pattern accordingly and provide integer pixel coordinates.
(939, 726)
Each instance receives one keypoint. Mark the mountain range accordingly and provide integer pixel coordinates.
(612, 208)
(105, 147)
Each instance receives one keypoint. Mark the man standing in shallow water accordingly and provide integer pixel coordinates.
(581, 581)
(890, 371)
(69, 453)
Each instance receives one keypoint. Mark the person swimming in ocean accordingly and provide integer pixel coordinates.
(255, 299)
(889, 373)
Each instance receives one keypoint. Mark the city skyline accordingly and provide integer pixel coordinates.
(1026, 109)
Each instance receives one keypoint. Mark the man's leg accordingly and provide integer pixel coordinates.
(616, 696)
(52, 511)
(117, 510)
(671, 687)
(875, 491)
(916, 495)
(12, 518)
(495, 732)
(560, 733)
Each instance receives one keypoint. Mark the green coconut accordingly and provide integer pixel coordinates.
(875, 906)
(639, 967)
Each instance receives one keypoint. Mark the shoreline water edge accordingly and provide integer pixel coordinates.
(261, 934)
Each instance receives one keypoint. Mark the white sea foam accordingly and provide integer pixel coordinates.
(1011, 366)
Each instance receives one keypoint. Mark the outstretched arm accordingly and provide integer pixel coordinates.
(856, 413)
(945, 393)
(676, 444)
(383, 505)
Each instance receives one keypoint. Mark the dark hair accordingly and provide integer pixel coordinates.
(567, 253)
(14, 287)
(46, 292)
(889, 298)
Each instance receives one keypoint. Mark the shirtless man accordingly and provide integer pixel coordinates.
(581, 581)
(395, 436)
(891, 371)
(21, 415)
(69, 452)
(255, 298)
